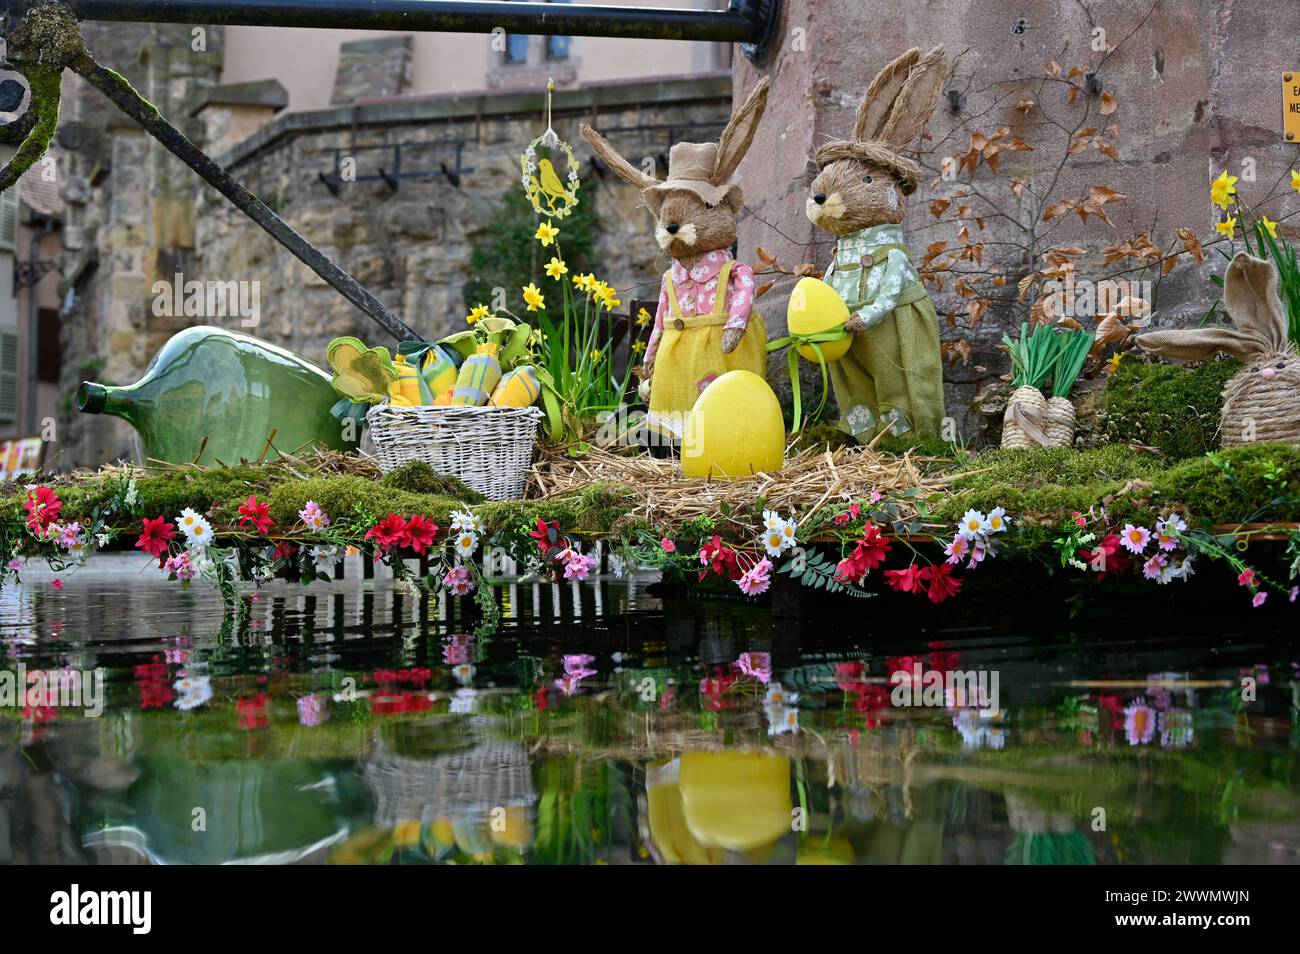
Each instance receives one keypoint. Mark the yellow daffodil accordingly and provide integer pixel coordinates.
(1226, 227)
(533, 297)
(596, 356)
(588, 282)
(1113, 363)
(1269, 226)
(546, 233)
(1223, 190)
(1295, 180)
(643, 318)
(556, 268)
(638, 347)
(476, 313)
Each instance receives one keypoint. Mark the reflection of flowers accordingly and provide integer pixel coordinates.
(1139, 722)
(756, 666)
(252, 712)
(192, 692)
(779, 707)
(1176, 731)
(312, 710)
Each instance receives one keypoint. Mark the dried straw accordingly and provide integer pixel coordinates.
(809, 479)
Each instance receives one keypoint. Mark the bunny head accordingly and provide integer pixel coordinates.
(863, 181)
(1262, 400)
(695, 208)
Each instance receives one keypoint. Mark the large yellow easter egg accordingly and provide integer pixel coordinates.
(815, 306)
(734, 430)
(739, 801)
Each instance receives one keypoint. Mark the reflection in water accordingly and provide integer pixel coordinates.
(349, 723)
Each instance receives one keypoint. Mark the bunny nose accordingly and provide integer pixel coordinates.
(672, 228)
(819, 198)
(1267, 372)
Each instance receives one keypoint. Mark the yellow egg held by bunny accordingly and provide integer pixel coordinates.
(734, 430)
(817, 309)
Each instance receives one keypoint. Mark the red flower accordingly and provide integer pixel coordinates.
(942, 584)
(719, 559)
(1106, 558)
(388, 532)
(871, 702)
(873, 546)
(547, 535)
(848, 570)
(284, 550)
(905, 581)
(42, 506)
(848, 516)
(257, 513)
(418, 533)
(539, 699)
(153, 540)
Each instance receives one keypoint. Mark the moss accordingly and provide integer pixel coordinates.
(357, 497)
(1043, 486)
(597, 509)
(418, 477)
(1170, 407)
(1258, 481)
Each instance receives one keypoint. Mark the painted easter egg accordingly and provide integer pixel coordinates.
(734, 430)
(815, 306)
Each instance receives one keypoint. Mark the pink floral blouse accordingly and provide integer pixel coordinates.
(697, 292)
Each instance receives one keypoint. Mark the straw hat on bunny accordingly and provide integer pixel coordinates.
(860, 179)
(695, 211)
(1262, 400)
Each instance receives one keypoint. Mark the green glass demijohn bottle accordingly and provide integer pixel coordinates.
(232, 391)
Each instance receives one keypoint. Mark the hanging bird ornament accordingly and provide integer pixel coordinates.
(548, 193)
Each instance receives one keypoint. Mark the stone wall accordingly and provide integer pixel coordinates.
(1197, 88)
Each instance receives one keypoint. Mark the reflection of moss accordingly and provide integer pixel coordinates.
(1167, 406)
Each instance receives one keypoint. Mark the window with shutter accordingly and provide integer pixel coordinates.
(8, 376)
(9, 219)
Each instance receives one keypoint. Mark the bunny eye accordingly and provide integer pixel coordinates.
(709, 205)
(1281, 364)
(1255, 370)
(867, 179)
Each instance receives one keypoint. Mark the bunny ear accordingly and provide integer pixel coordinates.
(1250, 294)
(878, 100)
(609, 154)
(917, 100)
(1198, 344)
(740, 133)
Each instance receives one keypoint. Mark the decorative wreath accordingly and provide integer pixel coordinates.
(549, 194)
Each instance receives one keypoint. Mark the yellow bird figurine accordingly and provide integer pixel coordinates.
(550, 182)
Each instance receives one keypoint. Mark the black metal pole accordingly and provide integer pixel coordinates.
(738, 24)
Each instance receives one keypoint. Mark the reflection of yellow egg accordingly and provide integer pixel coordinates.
(815, 306)
(734, 429)
(735, 800)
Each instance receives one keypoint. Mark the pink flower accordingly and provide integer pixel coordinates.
(756, 665)
(311, 709)
(1246, 577)
(1134, 539)
(313, 516)
(57, 584)
(70, 536)
(578, 566)
(667, 545)
(977, 554)
(458, 581)
(876, 497)
(1295, 591)
(17, 565)
(1079, 519)
(1139, 722)
(957, 550)
(756, 579)
(1152, 567)
(1259, 598)
(180, 567)
(577, 665)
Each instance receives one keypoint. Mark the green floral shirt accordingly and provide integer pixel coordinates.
(887, 277)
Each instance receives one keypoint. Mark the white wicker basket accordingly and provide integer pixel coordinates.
(489, 448)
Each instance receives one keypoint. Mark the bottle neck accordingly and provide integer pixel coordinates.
(95, 398)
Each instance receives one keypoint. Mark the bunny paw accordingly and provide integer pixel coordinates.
(731, 338)
(855, 325)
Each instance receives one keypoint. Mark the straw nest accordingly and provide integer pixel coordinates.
(810, 479)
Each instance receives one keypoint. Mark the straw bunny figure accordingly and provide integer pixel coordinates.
(1261, 402)
(892, 375)
(705, 324)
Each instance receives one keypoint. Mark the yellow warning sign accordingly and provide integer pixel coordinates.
(1291, 106)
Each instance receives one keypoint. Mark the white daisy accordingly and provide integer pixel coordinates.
(788, 532)
(774, 541)
(998, 520)
(466, 543)
(464, 520)
(973, 524)
(192, 692)
(200, 534)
